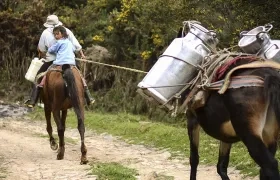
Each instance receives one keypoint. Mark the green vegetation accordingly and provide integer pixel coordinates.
(112, 171)
(139, 130)
(67, 140)
(3, 171)
(115, 171)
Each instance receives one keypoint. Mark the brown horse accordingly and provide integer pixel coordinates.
(247, 114)
(62, 90)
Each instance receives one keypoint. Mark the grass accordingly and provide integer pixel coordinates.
(67, 140)
(139, 130)
(113, 171)
(116, 171)
(3, 170)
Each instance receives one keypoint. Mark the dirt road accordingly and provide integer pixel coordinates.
(25, 155)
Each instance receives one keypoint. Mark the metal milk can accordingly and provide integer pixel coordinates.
(178, 64)
(257, 41)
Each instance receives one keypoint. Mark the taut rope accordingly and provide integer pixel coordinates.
(119, 67)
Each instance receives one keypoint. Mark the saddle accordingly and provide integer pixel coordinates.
(217, 77)
(41, 77)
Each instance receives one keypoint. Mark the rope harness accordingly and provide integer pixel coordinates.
(109, 65)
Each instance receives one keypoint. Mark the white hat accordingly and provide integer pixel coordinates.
(52, 20)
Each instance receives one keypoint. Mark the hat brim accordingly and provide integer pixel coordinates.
(51, 25)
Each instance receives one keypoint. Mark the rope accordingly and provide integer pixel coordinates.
(119, 67)
(168, 85)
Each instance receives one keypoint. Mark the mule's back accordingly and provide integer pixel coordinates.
(226, 116)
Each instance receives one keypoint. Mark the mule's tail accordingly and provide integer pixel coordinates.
(72, 89)
(272, 90)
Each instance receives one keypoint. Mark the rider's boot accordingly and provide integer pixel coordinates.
(34, 97)
(89, 99)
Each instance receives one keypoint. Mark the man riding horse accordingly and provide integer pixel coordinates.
(47, 39)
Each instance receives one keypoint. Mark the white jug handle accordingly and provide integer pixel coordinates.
(43, 59)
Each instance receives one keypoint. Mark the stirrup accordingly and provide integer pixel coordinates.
(92, 101)
(29, 105)
(27, 101)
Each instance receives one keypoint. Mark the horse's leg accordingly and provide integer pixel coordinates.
(81, 128)
(193, 132)
(53, 144)
(60, 131)
(223, 161)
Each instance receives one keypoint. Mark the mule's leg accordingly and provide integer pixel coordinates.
(272, 148)
(270, 135)
(53, 144)
(60, 131)
(249, 126)
(248, 119)
(223, 161)
(193, 132)
(263, 157)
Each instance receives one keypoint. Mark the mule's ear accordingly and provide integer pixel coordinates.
(65, 66)
(180, 33)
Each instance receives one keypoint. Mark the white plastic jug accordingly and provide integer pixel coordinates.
(34, 67)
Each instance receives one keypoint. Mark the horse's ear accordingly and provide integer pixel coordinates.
(180, 33)
(65, 66)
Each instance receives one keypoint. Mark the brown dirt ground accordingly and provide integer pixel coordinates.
(25, 155)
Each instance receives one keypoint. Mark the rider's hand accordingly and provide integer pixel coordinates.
(83, 56)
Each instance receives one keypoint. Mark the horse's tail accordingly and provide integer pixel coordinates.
(272, 90)
(72, 89)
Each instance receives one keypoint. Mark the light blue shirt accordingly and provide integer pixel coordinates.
(64, 51)
(47, 40)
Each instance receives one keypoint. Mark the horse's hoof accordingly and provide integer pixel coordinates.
(59, 157)
(83, 161)
(54, 146)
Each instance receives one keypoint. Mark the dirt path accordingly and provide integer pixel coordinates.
(25, 155)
